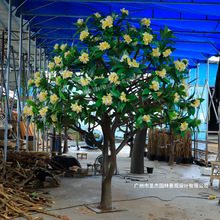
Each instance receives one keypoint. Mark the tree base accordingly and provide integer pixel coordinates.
(95, 208)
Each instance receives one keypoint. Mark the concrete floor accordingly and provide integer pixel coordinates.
(139, 196)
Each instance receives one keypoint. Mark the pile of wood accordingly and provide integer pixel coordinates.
(18, 179)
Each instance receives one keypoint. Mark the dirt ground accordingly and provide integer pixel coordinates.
(179, 192)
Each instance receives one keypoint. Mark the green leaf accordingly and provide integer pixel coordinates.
(117, 67)
(131, 97)
(139, 120)
(98, 103)
(115, 93)
(62, 95)
(146, 91)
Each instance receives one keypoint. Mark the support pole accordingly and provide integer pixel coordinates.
(218, 132)
(7, 78)
(28, 76)
(19, 83)
(34, 95)
(207, 120)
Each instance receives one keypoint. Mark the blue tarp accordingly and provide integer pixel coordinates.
(195, 23)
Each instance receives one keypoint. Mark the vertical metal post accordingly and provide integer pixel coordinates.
(197, 91)
(34, 95)
(7, 81)
(28, 76)
(218, 131)
(19, 83)
(207, 120)
(38, 133)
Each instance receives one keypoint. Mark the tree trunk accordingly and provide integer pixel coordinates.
(107, 171)
(171, 160)
(60, 145)
(137, 155)
(53, 142)
(65, 147)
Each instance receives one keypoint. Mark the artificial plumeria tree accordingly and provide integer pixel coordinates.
(116, 74)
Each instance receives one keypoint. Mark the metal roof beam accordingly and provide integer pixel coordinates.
(40, 22)
(42, 6)
(152, 18)
(215, 47)
(135, 2)
(19, 6)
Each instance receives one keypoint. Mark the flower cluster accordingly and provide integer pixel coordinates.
(145, 22)
(127, 38)
(113, 78)
(37, 81)
(176, 97)
(154, 85)
(183, 126)
(123, 97)
(167, 52)
(54, 118)
(104, 45)
(53, 98)
(67, 74)
(42, 96)
(76, 108)
(107, 22)
(28, 110)
(147, 38)
(133, 63)
(146, 118)
(156, 52)
(180, 65)
(161, 73)
(80, 21)
(30, 81)
(84, 58)
(124, 11)
(196, 103)
(58, 61)
(83, 35)
(63, 46)
(107, 100)
(84, 81)
(43, 111)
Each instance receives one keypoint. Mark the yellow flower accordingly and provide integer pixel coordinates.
(57, 80)
(125, 57)
(154, 85)
(83, 35)
(146, 118)
(195, 103)
(51, 65)
(167, 52)
(135, 43)
(107, 22)
(145, 22)
(96, 39)
(84, 82)
(80, 21)
(158, 93)
(134, 63)
(123, 97)
(180, 65)
(67, 54)
(84, 58)
(30, 81)
(58, 60)
(124, 11)
(176, 97)
(156, 52)
(63, 46)
(56, 46)
(104, 45)
(37, 82)
(54, 118)
(113, 78)
(42, 96)
(99, 77)
(67, 74)
(28, 110)
(37, 74)
(161, 73)
(97, 15)
(183, 126)
(127, 38)
(107, 100)
(53, 98)
(185, 61)
(147, 38)
(76, 108)
(43, 111)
